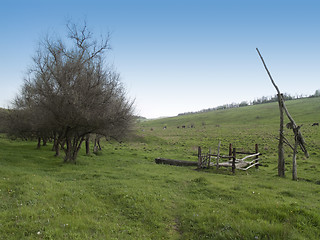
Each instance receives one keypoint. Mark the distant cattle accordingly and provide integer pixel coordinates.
(165, 127)
(315, 124)
(183, 126)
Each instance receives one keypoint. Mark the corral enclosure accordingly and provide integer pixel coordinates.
(121, 193)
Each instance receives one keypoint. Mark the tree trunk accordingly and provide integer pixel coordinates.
(44, 140)
(95, 147)
(98, 142)
(57, 148)
(73, 147)
(54, 142)
(39, 142)
(88, 144)
(68, 156)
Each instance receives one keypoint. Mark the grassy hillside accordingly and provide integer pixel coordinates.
(241, 126)
(303, 110)
(122, 194)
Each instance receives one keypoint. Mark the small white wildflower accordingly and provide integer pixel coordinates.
(39, 233)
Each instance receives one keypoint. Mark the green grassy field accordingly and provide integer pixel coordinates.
(122, 194)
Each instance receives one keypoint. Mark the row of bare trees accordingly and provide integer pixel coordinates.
(70, 93)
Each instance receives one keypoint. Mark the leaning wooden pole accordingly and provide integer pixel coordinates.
(281, 161)
(298, 138)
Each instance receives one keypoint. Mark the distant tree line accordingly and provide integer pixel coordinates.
(3, 120)
(262, 100)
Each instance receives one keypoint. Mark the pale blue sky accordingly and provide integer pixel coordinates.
(178, 56)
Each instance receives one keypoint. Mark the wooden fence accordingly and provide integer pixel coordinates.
(218, 160)
(208, 160)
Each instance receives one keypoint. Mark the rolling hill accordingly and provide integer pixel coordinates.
(120, 193)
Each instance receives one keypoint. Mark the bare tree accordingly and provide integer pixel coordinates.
(72, 92)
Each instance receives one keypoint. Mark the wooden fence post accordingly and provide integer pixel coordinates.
(230, 149)
(257, 150)
(234, 161)
(218, 155)
(199, 157)
(209, 159)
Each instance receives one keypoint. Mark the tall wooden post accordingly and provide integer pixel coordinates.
(234, 161)
(294, 159)
(257, 150)
(281, 161)
(230, 149)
